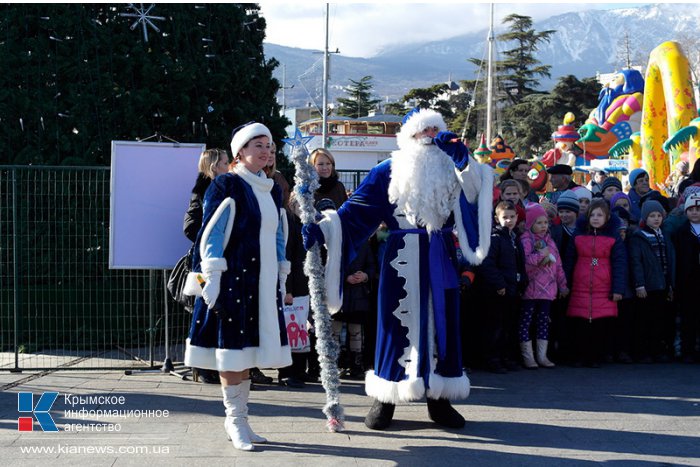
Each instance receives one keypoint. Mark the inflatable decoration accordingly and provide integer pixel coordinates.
(538, 176)
(669, 107)
(616, 117)
(483, 152)
(501, 167)
(689, 136)
(500, 150)
(564, 138)
(629, 148)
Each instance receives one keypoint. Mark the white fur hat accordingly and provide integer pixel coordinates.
(245, 133)
(418, 120)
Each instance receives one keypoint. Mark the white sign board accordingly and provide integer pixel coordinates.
(150, 188)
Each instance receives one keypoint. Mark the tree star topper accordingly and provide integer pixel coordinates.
(143, 17)
(298, 140)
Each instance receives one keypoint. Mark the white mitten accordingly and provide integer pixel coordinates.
(470, 179)
(211, 270)
(210, 292)
(284, 270)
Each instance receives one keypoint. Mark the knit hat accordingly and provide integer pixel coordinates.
(244, 133)
(617, 196)
(689, 191)
(610, 181)
(635, 174)
(568, 200)
(649, 207)
(533, 211)
(582, 192)
(692, 200)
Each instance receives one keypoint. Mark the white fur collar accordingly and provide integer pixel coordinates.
(258, 181)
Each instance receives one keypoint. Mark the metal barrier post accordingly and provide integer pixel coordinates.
(15, 259)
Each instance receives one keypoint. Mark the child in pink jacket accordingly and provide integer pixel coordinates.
(545, 274)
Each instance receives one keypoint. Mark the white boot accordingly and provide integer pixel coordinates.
(542, 359)
(236, 413)
(245, 392)
(528, 358)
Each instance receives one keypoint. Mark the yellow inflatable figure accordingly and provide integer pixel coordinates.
(689, 136)
(631, 149)
(669, 106)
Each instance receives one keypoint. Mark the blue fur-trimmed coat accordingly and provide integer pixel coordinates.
(247, 329)
(407, 360)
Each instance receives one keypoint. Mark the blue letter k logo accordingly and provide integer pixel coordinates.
(25, 403)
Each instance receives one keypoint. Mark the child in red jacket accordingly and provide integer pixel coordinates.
(597, 281)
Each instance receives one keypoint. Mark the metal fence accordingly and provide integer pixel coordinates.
(60, 304)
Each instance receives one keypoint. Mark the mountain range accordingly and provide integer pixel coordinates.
(584, 44)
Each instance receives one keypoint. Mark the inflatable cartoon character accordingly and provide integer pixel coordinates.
(617, 116)
(564, 139)
(501, 151)
(483, 152)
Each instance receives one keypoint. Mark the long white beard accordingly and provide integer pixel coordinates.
(423, 184)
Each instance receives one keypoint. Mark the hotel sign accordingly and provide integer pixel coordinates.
(357, 143)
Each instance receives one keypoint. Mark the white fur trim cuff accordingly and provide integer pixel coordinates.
(413, 389)
(214, 265)
(448, 388)
(485, 214)
(247, 133)
(333, 233)
(285, 267)
(393, 392)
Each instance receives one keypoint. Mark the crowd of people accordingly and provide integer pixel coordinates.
(578, 275)
(585, 276)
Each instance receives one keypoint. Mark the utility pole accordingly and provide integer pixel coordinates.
(489, 85)
(324, 110)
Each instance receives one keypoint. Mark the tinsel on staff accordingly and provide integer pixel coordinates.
(305, 184)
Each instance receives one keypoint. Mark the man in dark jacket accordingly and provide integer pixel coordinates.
(560, 178)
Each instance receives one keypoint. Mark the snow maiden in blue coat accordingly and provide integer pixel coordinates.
(237, 323)
(429, 189)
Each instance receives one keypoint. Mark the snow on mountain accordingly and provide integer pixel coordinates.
(584, 43)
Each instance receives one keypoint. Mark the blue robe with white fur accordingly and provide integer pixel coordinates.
(248, 330)
(407, 363)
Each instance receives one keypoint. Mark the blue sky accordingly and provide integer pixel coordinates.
(363, 29)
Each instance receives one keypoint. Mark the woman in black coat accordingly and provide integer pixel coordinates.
(212, 162)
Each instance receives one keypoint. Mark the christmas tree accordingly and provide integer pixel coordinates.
(77, 76)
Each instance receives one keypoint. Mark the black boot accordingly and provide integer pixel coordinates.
(442, 413)
(380, 415)
(205, 376)
(258, 377)
(356, 372)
